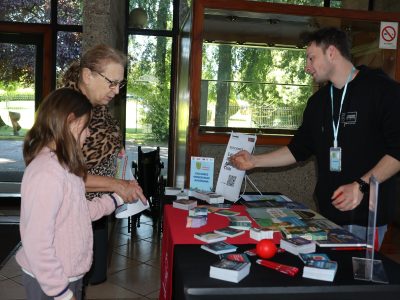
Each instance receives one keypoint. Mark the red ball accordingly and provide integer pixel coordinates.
(266, 249)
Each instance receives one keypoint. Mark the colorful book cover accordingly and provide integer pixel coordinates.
(209, 237)
(229, 232)
(239, 257)
(309, 233)
(219, 247)
(202, 173)
(313, 256)
(340, 237)
(227, 212)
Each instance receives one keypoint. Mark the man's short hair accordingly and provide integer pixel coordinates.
(327, 36)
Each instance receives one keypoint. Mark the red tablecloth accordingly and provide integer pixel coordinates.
(175, 232)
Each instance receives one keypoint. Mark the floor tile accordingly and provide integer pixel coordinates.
(11, 290)
(142, 251)
(109, 290)
(11, 269)
(142, 279)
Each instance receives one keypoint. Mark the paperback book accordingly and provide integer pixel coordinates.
(209, 237)
(240, 222)
(320, 269)
(209, 197)
(219, 247)
(298, 245)
(229, 231)
(340, 237)
(306, 232)
(185, 204)
(305, 257)
(196, 221)
(198, 211)
(230, 270)
(227, 212)
(240, 257)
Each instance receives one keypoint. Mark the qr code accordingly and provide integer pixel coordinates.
(231, 180)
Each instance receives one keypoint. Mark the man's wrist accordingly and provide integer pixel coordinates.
(363, 185)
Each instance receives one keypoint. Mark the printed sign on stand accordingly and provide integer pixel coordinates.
(202, 173)
(388, 35)
(230, 179)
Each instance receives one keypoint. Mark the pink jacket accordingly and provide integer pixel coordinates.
(56, 223)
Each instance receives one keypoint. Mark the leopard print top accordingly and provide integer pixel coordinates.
(103, 145)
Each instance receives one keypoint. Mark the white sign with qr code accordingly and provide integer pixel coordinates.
(230, 179)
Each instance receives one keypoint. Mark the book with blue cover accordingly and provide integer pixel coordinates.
(320, 269)
(219, 247)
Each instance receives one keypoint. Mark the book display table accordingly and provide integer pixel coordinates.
(185, 269)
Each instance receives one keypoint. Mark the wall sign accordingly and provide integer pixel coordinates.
(388, 35)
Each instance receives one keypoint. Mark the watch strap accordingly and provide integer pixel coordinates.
(363, 186)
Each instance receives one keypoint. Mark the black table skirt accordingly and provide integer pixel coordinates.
(191, 279)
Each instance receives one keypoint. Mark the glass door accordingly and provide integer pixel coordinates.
(21, 57)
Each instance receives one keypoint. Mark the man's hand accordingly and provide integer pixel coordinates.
(347, 197)
(242, 160)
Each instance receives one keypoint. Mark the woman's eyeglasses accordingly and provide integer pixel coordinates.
(113, 83)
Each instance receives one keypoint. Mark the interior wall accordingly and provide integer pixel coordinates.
(297, 181)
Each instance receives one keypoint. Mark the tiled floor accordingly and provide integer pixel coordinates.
(134, 271)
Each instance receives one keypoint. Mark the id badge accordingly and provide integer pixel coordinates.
(335, 161)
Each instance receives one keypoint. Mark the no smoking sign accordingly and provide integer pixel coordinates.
(388, 35)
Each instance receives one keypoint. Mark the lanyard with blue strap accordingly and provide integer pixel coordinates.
(335, 152)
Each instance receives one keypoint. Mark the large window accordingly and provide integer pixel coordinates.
(152, 26)
(253, 86)
(23, 80)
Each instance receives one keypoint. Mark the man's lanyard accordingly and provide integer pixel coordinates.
(336, 127)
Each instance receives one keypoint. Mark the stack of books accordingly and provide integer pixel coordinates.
(320, 269)
(185, 204)
(240, 222)
(210, 197)
(297, 245)
(230, 270)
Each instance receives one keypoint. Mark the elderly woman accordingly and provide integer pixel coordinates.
(99, 75)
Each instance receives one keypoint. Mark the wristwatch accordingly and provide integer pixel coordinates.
(363, 186)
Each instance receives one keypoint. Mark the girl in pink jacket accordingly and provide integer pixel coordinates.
(56, 218)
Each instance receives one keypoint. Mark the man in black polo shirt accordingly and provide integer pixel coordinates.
(351, 126)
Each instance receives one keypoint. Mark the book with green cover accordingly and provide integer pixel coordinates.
(307, 232)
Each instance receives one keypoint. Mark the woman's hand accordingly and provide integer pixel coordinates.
(129, 190)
